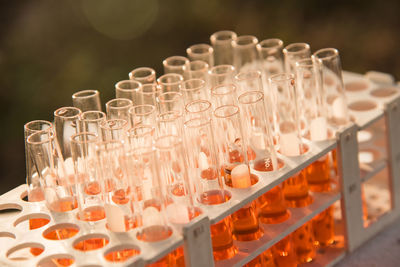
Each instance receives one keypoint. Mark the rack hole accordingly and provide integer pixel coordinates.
(9, 209)
(32, 221)
(91, 242)
(356, 86)
(121, 253)
(57, 260)
(362, 105)
(61, 231)
(384, 92)
(25, 251)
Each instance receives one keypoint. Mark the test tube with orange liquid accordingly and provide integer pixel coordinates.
(233, 156)
(284, 253)
(324, 228)
(209, 186)
(58, 188)
(304, 245)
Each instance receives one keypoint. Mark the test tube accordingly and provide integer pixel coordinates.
(224, 94)
(176, 64)
(149, 93)
(231, 145)
(87, 181)
(114, 129)
(118, 108)
(245, 55)
(87, 100)
(89, 121)
(198, 108)
(129, 89)
(35, 191)
(58, 188)
(141, 135)
(328, 60)
(303, 241)
(203, 52)
(222, 74)
(271, 57)
(198, 70)
(194, 89)
(294, 52)
(143, 114)
(170, 82)
(222, 44)
(144, 75)
(249, 80)
(170, 101)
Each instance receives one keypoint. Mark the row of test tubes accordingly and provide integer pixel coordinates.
(167, 146)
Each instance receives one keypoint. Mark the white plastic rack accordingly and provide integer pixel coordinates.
(195, 236)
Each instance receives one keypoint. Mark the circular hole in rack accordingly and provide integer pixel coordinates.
(7, 235)
(25, 251)
(364, 136)
(154, 233)
(10, 209)
(368, 155)
(61, 231)
(356, 86)
(215, 197)
(91, 242)
(362, 105)
(121, 253)
(32, 221)
(384, 92)
(57, 260)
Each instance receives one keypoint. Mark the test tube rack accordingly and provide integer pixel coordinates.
(195, 236)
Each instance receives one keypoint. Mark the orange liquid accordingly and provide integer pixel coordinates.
(245, 223)
(91, 244)
(165, 261)
(209, 174)
(36, 251)
(222, 240)
(272, 207)
(63, 261)
(324, 227)
(178, 257)
(37, 223)
(63, 205)
(109, 185)
(318, 175)
(173, 259)
(154, 233)
(179, 190)
(92, 188)
(268, 258)
(92, 214)
(334, 159)
(295, 191)
(256, 262)
(62, 233)
(121, 255)
(364, 206)
(303, 240)
(120, 196)
(284, 254)
(214, 197)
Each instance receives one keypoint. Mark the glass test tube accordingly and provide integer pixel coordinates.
(222, 44)
(87, 100)
(58, 189)
(198, 108)
(169, 123)
(170, 82)
(149, 93)
(313, 116)
(284, 253)
(198, 70)
(249, 80)
(66, 124)
(294, 52)
(143, 114)
(222, 74)
(89, 121)
(231, 145)
(88, 184)
(303, 241)
(35, 190)
(224, 94)
(117, 191)
(141, 135)
(176, 64)
(209, 187)
(324, 228)
(295, 189)
(271, 57)
(144, 75)
(170, 101)
(194, 89)
(118, 108)
(114, 129)
(174, 175)
(328, 60)
(245, 55)
(129, 89)
(203, 52)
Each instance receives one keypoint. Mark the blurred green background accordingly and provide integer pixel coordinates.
(51, 49)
